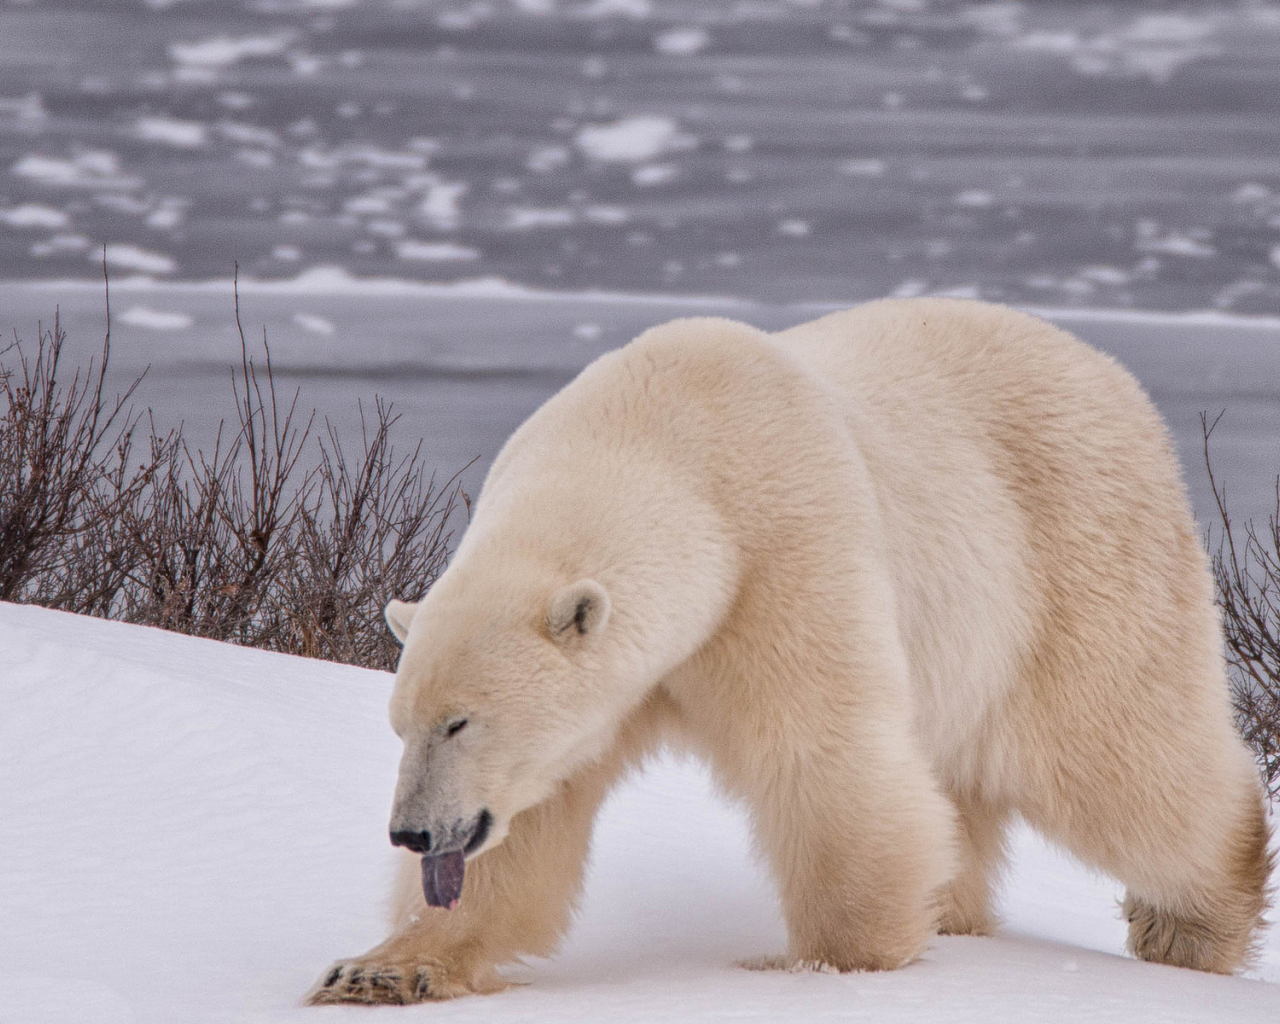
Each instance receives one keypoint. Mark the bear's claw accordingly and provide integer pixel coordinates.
(352, 982)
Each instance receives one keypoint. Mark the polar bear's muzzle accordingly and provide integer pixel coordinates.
(444, 860)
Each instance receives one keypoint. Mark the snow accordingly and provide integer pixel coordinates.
(194, 831)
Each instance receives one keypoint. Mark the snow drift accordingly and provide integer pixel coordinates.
(193, 831)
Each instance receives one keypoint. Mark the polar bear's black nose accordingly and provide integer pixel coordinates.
(418, 842)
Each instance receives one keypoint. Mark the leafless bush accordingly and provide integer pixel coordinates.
(65, 460)
(1246, 566)
(249, 543)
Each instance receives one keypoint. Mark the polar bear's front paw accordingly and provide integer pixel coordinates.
(397, 983)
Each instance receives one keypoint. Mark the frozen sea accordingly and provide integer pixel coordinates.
(633, 157)
(1053, 153)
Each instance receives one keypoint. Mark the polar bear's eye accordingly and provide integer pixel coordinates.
(456, 727)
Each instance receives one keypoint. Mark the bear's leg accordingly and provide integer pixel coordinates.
(861, 843)
(1176, 814)
(966, 902)
(517, 898)
(1210, 924)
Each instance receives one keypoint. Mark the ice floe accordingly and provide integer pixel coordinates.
(547, 158)
(60, 245)
(314, 324)
(132, 257)
(171, 131)
(437, 252)
(974, 199)
(793, 227)
(154, 319)
(865, 167)
(681, 42)
(1152, 46)
(654, 174)
(525, 219)
(1175, 244)
(631, 140)
(440, 206)
(25, 110)
(223, 51)
(248, 134)
(34, 215)
(95, 168)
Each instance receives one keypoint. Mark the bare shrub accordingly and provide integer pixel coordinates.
(1246, 567)
(249, 543)
(65, 470)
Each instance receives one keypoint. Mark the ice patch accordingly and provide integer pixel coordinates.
(171, 132)
(223, 51)
(248, 134)
(26, 110)
(525, 219)
(385, 228)
(794, 228)
(630, 140)
(681, 42)
(974, 199)
(131, 257)
(168, 215)
(155, 320)
(314, 324)
(548, 158)
(654, 174)
(587, 331)
(440, 206)
(259, 158)
(1275, 255)
(435, 252)
(60, 245)
(33, 215)
(606, 215)
(1153, 46)
(305, 65)
(637, 10)
(367, 204)
(863, 168)
(1175, 244)
(287, 253)
(95, 168)
(130, 205)
(1112, 276)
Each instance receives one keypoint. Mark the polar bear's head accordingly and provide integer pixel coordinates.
(511, 678)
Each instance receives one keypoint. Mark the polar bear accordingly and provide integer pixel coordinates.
(898, 574)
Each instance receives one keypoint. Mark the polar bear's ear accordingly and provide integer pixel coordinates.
(399, 614)
(579, 609)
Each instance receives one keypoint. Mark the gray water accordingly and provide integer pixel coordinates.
(463, 372)
(1054, 153)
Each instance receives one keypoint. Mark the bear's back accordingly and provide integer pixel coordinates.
(1029, 493)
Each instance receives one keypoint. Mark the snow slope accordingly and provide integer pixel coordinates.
(192, 832)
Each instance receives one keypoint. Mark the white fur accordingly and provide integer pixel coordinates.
(898, 574)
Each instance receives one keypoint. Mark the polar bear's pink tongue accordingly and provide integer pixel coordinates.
(442, 878)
